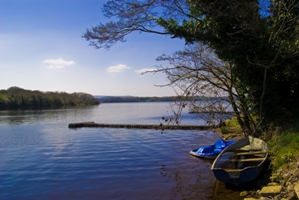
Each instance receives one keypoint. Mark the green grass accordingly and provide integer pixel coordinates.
(233, 123)
(231, 126)
(284, 146)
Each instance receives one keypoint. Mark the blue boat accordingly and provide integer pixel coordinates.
(211, 151)
(241, 162)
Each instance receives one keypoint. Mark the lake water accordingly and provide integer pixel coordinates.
(41, 158)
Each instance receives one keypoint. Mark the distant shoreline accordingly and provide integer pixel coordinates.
(19, 98)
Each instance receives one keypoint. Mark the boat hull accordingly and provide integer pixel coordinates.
(211, 151)
(239, 163)
(211, 156)
(238, 177)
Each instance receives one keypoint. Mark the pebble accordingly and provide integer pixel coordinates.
(243, 193)
(290, 187)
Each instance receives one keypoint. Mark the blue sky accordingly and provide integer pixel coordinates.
(41, 48)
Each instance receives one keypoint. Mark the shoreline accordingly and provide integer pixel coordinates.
(283, 184)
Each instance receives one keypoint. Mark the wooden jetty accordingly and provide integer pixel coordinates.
(139, 126)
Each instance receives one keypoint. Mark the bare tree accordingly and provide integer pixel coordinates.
(207, 87)
(258, 40)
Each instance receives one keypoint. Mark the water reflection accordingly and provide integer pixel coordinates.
(225, 191)
(42, 159)
(136, 113)
(190, 181)
(27, 117)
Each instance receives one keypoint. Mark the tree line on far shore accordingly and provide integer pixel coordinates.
(15, 97)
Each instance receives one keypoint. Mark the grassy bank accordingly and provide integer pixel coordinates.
(283, 145)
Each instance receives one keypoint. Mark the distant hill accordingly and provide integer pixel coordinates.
(15, 97)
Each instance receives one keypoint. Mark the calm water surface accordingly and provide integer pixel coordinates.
(41, 158)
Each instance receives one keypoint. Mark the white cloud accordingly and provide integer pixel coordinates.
(117, 68)
(58, 63)
(141, 71)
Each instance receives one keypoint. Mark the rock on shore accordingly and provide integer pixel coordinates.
(283, 185)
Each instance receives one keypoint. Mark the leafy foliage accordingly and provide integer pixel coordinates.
(260, 44)
(263, 50)
(15, 97)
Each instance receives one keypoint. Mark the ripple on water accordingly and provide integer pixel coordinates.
(42, 159)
